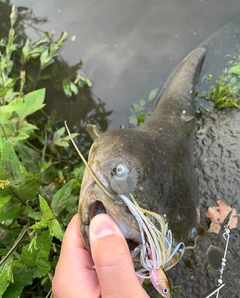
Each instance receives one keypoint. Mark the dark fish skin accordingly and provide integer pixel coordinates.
(159, 155)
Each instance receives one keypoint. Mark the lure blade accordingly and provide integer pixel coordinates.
(214, 256)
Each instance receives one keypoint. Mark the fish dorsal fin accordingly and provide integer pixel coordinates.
(93, 131)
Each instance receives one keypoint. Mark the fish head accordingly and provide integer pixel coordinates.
(121, 163)
(128, 161)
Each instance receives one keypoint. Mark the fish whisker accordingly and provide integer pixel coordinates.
(96, 179)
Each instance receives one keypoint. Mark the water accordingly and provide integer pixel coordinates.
(128, 47)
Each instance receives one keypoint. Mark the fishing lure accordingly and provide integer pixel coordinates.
(156, 250)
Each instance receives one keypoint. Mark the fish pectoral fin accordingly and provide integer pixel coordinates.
(93, 131)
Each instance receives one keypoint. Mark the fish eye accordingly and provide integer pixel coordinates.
(121, 170)
(193, 233)
(165, 290)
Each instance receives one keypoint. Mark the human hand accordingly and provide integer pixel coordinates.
(114, 275)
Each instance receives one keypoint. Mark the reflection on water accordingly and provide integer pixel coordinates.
(130, 47)
(77, 110)
(26, 18)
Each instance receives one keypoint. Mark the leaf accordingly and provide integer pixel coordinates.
(44, 58)
(235, 69)
(152, 94)
(25, 51)
(29, 157)
(58, 134)
(41, 224)
(43, 267)
(4, 279)
(12, 213)
(55, 229)
(22, 278)
(3, 201)
(44, 166)
(23, 136)
(36, 215)
(133, 120)
(47, 212)
(9, 163)
(27, 127)
(66, 87)
(63, 37)
(28, 189)
(233, 81)
(135, 107)
(141, 118)
(37, 257)
(142, 103)
(61, 143)
(7, 110)
(60, 198)
(41, 254)
(73, 135)
(73, 88)
(33, 102)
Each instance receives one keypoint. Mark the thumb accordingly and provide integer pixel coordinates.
(112, 260)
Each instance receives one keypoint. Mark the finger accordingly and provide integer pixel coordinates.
(74, 274)
(112, 259)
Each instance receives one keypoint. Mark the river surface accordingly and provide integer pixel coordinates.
(128, 47)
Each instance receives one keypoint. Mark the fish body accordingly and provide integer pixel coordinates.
(153, 162)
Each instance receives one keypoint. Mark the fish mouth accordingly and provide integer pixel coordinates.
(95, 202)
(131, 234)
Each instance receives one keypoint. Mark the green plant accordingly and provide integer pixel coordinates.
(138, 110)
(222, 95)
(226, 92)
(38, 186)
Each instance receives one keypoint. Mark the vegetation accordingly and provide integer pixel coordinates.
(225, 93)
(39, 188)
(138, 110)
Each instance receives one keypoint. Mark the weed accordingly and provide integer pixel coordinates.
(38, 188)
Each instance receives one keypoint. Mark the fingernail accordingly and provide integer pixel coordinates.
(102, 227)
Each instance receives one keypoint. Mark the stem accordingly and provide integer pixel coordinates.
(16, 196)
(19, 239)
(37, 78)
(48, 155)
(44, 153)
(44, 113)
(49, 293)
(50, 276)
(5, 135)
